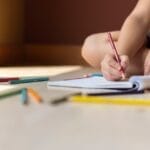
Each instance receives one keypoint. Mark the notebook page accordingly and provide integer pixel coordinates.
(92, 83)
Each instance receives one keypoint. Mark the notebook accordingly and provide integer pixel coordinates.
(99, 85)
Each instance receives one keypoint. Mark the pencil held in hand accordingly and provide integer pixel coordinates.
(116, 54)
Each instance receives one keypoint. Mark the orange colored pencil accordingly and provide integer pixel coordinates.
(36, 97)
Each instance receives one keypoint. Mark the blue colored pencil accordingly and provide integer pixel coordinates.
(93, 75)
(96, 74)
(24, 96)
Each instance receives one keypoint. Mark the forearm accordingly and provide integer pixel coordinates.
(132, 35)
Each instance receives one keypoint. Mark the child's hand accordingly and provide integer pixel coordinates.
(147, 65)
(110, 67)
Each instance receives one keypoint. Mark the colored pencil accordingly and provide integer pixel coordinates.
(116, 54)
(8, 79)
(35, 96)
(111, 100)
(29, 80)
(93, 75)
(24, 96)
(10, 92)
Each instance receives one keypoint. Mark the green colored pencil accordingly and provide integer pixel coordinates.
(10, 92)
(29, 80)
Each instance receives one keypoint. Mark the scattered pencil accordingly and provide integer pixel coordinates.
(8, 79)
(35, 96)
(63, 99)
(28, 80)
(59, 100)
(10, 92)
(92, 75)
(132, 101)
(23, 92)
(24, 96)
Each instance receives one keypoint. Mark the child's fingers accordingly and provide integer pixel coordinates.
(124, 61)
(109, 72)
(110, 61)
(147, 69)
(147, 64)
(110, 76)
(111, 68)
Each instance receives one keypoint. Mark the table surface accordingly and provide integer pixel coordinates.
(69, 126)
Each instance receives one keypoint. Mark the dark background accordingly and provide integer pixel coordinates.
(51, 32)
(70, 21)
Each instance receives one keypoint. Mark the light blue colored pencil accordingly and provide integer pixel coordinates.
(97, 74)
(24, 96)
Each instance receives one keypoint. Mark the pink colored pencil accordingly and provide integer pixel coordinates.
(116, 53)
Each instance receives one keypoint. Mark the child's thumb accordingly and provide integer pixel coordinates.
(124, 61)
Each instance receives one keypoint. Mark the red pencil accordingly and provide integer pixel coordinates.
(8, 79)
(116, 53)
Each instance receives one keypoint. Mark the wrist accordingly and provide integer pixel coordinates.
(121, 52)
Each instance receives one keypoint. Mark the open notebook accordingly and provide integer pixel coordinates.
(99, 85)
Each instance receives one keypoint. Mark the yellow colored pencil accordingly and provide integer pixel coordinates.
(36, 97)
(111, 100)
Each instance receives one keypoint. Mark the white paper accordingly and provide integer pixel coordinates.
(92, 83)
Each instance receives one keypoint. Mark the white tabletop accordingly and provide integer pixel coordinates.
(71, 126)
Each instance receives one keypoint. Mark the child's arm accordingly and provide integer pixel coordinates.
(96, 46)
(134, 29)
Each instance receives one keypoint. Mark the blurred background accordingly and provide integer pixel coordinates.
(51, 32)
